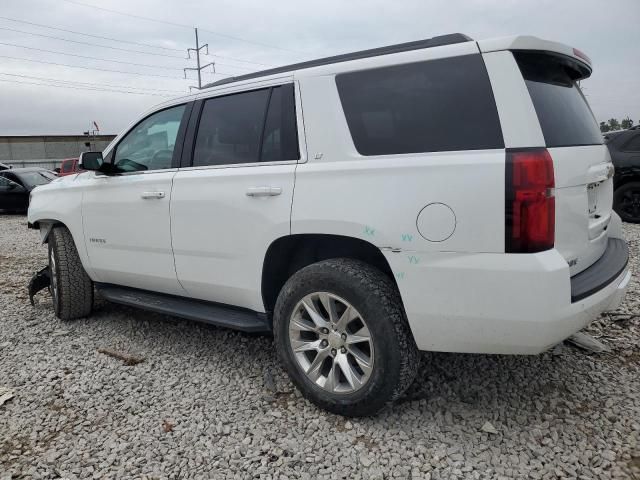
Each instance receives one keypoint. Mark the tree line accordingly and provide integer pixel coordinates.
(613, 124)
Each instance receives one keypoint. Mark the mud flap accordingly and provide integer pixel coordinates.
(39, 281)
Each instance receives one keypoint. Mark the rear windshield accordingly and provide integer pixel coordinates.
(563, 113)
(437, 105)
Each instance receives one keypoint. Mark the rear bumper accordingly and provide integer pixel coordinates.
(604, 271)
(499, 303)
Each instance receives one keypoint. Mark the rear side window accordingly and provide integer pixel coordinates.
(248, 127)
(564, 115)
(437, 105)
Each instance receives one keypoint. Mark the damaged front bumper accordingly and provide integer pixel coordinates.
(39, 281)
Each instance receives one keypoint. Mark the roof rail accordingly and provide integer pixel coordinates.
(374, 52)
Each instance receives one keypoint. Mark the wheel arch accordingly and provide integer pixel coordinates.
(45, 226)
(625, 175)
(286, 255)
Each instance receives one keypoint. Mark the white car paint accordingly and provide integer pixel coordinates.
(207, 239)
(139, 256)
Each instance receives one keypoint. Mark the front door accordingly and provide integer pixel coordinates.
(236, 197)
(126, 215)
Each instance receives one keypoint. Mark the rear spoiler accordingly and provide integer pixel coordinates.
(579, 62)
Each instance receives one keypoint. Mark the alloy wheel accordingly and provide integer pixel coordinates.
(630, 204)
(53, 273)
(331, 343)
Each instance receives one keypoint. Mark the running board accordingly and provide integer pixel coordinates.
(198, 310)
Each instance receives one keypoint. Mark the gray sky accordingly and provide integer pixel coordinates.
(606, 31)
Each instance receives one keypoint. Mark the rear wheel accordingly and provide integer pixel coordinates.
(71, 287)
(341, 332)
(626, 202)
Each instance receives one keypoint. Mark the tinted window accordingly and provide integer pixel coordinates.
(565, 117)
(280, 138)
(230, 129)
(632, 145)
(438, 105)
(11, 177)
(150, 144)
(239, 129)
(5, 183)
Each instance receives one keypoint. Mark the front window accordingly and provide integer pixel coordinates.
(150, 145)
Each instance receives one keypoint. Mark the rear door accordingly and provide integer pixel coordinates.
(582, 165)
(233, 198)
(126, 216)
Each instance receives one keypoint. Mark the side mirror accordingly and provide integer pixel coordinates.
(90, 161)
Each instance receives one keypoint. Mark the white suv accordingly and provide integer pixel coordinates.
(443, 195)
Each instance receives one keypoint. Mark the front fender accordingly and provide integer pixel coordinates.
(60, 202)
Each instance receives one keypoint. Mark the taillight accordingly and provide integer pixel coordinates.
(530, 208)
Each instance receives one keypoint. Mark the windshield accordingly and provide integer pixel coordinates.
(564, 115)
(36, 178)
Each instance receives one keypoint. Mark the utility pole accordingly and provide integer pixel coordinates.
(198, 68)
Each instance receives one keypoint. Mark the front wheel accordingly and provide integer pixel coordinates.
(626, 202)
(71, 287)
(341, 332)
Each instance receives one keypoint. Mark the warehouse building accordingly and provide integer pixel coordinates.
(47, 150)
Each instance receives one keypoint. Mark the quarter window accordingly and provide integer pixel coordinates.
(248, 127)
(151, 143)
(437, 105)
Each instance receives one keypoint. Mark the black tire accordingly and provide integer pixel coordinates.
(375, 296)
(71, 289)
(626, 202)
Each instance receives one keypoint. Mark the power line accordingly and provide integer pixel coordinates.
(75, 2)
(90, 57)
(108, 60)
(91, 68)
(110, 85)
(239, 60)
(91, 35)
(83, 88)
(91, 44)
(133, 51)
(224, 74)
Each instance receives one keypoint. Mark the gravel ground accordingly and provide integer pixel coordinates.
(211, 403)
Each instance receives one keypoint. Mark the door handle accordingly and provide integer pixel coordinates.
(263, 191)
(150, 195)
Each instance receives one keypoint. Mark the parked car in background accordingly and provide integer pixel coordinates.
(68, 166)
(16, 185)
(439, 195)
(4, 166)
(624, 148)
